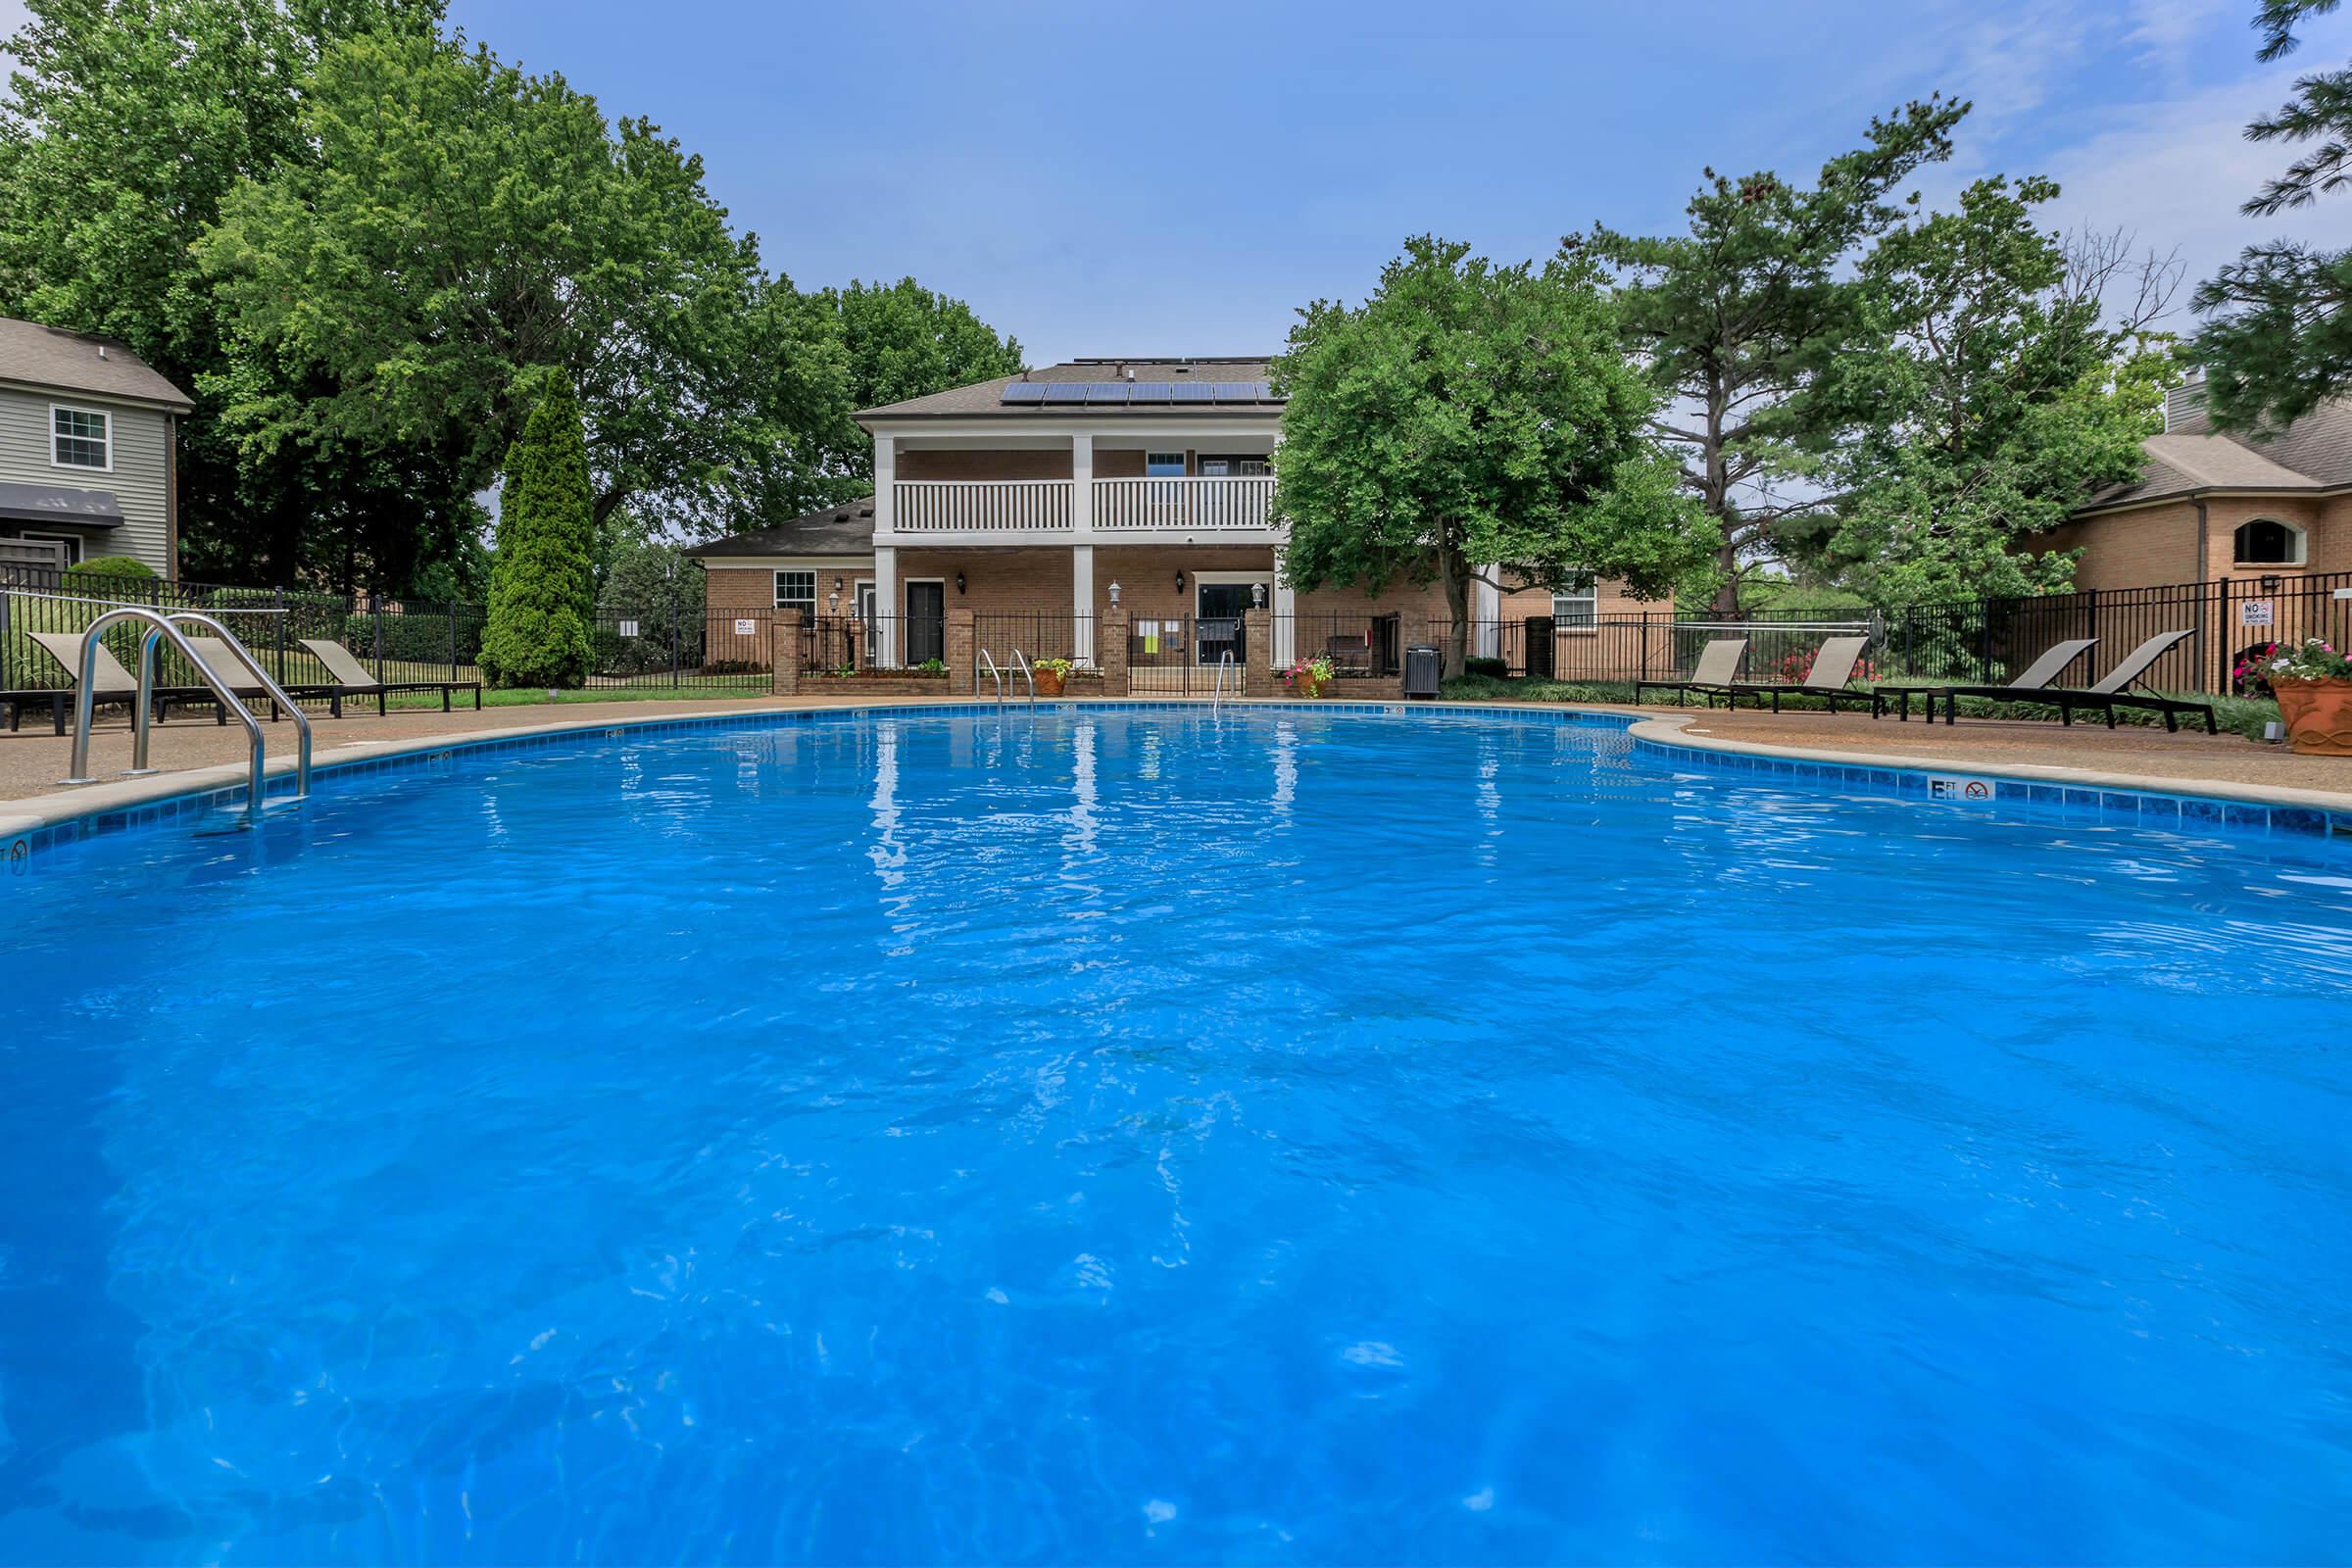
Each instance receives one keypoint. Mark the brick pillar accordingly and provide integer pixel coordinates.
(1110, 651)
(784, 654)
(964, 663)
(1258, 653)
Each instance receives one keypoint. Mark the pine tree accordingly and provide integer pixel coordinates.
(543, 580)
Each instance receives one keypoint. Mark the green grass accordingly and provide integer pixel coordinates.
(2240, 715)
(527, 696)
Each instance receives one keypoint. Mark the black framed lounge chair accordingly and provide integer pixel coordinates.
(1712, 676)
(2055, 661)
(237, 678)
(2113, 691)
(1831, 678)
(353, 676)
(115, 687)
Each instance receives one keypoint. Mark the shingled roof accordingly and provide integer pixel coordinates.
(986, 398)
(843, 530)
(53, 359)
(2191, 458)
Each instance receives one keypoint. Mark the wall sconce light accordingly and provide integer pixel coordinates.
(2270, 585)
(837, 585)
(1179, 582)
(959, 582)
(1114, 593)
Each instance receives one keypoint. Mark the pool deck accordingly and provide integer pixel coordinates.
(199, 754)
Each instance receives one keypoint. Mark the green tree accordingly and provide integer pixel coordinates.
(2280, 340)
(900, 340)
(465, 226)
(125, 123)
(2005, 392)
(1469, 415)
(543, 578)
(1736, 319)
(652, 582)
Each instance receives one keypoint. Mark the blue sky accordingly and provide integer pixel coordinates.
(1106, 179)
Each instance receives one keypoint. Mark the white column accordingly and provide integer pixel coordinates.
(1082, 604)
(1485, 608)
(1082, 549)
(886, 470)
(1285, 611)
(886, 604)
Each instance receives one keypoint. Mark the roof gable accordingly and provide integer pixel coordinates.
(55, 360)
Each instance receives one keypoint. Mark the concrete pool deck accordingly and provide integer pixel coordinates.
(198, 754)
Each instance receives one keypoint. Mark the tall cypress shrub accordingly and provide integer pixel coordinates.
(543, 580)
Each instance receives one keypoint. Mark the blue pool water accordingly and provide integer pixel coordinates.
(1144, 1138)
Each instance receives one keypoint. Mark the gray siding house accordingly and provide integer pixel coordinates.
(87, 459)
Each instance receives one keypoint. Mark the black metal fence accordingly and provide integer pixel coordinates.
(1176, 656)
(851, 645)
(1036, 634)
(1357, 645)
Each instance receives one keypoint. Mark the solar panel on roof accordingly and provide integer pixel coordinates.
(1149, 392)
(1240, 391)
(1191, 392)
(1025, 392)
(1065, 391)
(1105, 392)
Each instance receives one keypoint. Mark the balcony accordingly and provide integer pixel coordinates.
(1153, 510)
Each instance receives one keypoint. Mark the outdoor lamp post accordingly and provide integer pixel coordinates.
(1114, 593)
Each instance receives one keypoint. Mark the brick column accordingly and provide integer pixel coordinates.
(784, 652)
(964, 663)
(1258, 649)
(1110, 651)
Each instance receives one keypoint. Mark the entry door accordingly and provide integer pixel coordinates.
(1221, 606)
(926, 622)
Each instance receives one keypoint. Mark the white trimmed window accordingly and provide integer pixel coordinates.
(1579, 607)
(797, 590)
(1163, 465)
(80, 438)
(2267, 541)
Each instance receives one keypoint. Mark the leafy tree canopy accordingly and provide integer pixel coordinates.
(1735, 317)
(1469, 415)
(2279, 338)
(2000, 398)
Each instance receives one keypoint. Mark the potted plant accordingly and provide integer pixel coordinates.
(1050, 673)
(2313, 683)
(1309, 678)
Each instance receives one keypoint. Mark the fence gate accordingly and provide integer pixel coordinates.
(1178, 656)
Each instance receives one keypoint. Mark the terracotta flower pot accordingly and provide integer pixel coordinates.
(1049, 681)
(2317, 714)
(1307, 688)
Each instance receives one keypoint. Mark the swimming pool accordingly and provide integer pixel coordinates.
(1149, 1137)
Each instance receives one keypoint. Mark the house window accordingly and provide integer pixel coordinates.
(1163, 465)
(80, 438)
(797, 590)
(2268, 543)
(1578, 607)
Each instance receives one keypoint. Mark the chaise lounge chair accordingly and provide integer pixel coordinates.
(1717, 668)
(2037, 676)
(353, 676)
(1831, 676)
(114, 686)
(2111, 693)
(237, 678)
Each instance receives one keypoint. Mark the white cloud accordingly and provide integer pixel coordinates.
(2165, 31)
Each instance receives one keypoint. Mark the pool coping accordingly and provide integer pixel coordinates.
(134, 801)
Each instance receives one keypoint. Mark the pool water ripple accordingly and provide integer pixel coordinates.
(1147, 1136)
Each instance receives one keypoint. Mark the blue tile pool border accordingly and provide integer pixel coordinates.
(2153, 807)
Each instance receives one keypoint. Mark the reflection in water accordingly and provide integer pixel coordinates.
(1286, 768)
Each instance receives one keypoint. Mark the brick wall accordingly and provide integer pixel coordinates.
(2155, 545)
(1012, 463)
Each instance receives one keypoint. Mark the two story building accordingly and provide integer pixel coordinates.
(1044, 500)
(87, 451)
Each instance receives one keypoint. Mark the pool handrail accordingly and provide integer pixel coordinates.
(1216, 699)
(1020, 661)
(84, 698)
(990, 664)
(267, 681)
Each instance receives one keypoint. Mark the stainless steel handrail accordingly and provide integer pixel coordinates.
(1020, 661)
(990, 665)
(269, 683)
(85, 696)
(1216, 699)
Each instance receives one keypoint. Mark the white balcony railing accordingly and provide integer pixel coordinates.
(1181, 505)
(981, 506)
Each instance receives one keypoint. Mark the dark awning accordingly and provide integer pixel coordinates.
(54, 504)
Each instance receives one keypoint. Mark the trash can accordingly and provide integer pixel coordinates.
(1424, 668)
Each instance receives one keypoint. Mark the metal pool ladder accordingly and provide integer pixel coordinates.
(165, 628)
(1216, 698)
(996, 674)
(1020, 663)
